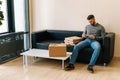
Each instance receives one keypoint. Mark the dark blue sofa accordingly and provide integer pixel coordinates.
(42, 39)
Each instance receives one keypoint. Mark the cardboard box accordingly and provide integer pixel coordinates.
(57, 50)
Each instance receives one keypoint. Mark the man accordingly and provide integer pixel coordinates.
(92, 34)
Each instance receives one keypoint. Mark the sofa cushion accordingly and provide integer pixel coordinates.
(44, 44)
(61, 34)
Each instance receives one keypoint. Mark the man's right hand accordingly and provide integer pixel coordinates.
(84, 35)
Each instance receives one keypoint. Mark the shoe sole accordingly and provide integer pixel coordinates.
(90, 71)
(69, 69)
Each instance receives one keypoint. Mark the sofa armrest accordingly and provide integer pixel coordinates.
(38, 37)
(108, 46)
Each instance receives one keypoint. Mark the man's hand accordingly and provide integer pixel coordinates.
(84, 35)
(88, 36)
(91, 36)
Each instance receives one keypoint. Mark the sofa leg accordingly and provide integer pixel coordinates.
(105, 64)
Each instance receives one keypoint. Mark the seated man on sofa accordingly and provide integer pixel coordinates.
(92, 34)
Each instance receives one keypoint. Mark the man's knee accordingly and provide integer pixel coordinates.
(97, 47)
(76, 47)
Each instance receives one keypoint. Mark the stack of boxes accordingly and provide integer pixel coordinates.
(72, 40)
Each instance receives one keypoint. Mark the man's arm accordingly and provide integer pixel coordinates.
(84, 33)
(102, 34)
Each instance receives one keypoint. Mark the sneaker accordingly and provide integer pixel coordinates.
(69, 67)
(90, 69)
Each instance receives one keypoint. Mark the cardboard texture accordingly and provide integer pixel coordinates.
(57, 50)
(72, 40)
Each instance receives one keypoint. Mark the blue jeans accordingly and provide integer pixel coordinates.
(87, 42)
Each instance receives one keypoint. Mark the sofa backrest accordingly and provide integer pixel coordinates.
(61, 34)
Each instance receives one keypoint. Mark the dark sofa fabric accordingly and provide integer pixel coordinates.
(42, 39)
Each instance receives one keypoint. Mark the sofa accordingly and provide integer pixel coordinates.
(42, 39)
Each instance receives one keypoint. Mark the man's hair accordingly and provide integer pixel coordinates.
(90, 17)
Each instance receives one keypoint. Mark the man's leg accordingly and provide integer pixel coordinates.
(76, 49)
(96, 46)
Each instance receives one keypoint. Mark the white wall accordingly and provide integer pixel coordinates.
(71, 15)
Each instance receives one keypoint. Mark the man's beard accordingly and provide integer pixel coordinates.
(93, 24)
